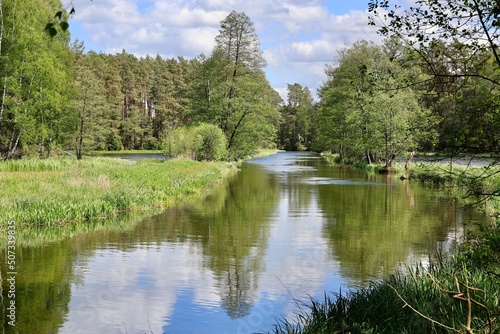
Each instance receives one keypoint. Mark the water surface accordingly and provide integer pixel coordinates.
(284, 228)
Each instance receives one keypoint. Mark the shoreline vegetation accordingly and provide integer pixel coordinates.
(77, 196)
(60, 191)
(458, 294)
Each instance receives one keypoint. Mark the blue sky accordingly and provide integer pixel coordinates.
(298, 37)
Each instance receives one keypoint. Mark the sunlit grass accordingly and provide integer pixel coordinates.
(443, 297)
(58, 191)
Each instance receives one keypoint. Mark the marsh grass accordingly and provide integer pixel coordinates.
(54, 192)
(444, 297)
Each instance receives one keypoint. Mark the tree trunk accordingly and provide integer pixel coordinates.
(407, 165)
(408, 160)
(13, 145)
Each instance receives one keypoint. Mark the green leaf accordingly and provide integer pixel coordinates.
(58, 15)
(72, 11)
(48, 25)
(52, 31)
(64, 26)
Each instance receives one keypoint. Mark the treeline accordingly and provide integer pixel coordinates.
(377, 102)
(381, 101)
(57, 97)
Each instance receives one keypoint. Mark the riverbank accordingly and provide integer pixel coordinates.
(466, 180)
(458, 294)
(59, 191)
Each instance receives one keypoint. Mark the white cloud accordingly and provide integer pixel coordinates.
(298, 37)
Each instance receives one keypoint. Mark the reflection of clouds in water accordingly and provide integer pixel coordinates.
(140, 296)
(305, 267)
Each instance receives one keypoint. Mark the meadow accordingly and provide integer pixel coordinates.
(59, 191)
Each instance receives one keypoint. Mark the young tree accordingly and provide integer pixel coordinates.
(88, 103)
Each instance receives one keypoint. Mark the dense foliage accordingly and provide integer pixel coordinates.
(35, 77)
(422, 89)
(56, 96)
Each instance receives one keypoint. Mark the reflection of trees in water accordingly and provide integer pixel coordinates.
(373, 228)
(235, 292)
(237, 239)
(232, 226)
(43, 288)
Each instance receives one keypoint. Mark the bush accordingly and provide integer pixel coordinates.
(210, 143)
(203, 142)
(179, 143)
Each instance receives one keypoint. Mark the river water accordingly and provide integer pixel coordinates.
(284, 228)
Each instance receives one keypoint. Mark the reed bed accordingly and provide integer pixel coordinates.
(58, 191)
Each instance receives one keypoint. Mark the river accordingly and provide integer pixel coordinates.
(284, 228)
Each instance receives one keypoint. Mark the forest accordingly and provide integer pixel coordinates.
(436, 92)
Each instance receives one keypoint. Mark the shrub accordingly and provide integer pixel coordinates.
(179, 143)
(203, 142)
(210, 142)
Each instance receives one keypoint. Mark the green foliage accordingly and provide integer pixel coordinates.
(360, 116)
(209, 142)
(35, 79)
(203, 142)
(180, 143)
(233, 92)
(461, 59)
(298, 125)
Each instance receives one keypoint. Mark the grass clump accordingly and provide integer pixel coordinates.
(456, 295)
(58, 191)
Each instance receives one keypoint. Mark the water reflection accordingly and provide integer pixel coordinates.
(286, 227)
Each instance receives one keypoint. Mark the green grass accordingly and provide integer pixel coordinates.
(126, 152)
(460, 295)
(59, 191)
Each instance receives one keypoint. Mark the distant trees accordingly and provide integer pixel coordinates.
(362, 114)
(298, 127)
(429, 89)
(54, 95)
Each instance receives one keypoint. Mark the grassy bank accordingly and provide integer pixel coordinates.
(460, 294)
(100, 153)
(63, 190)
